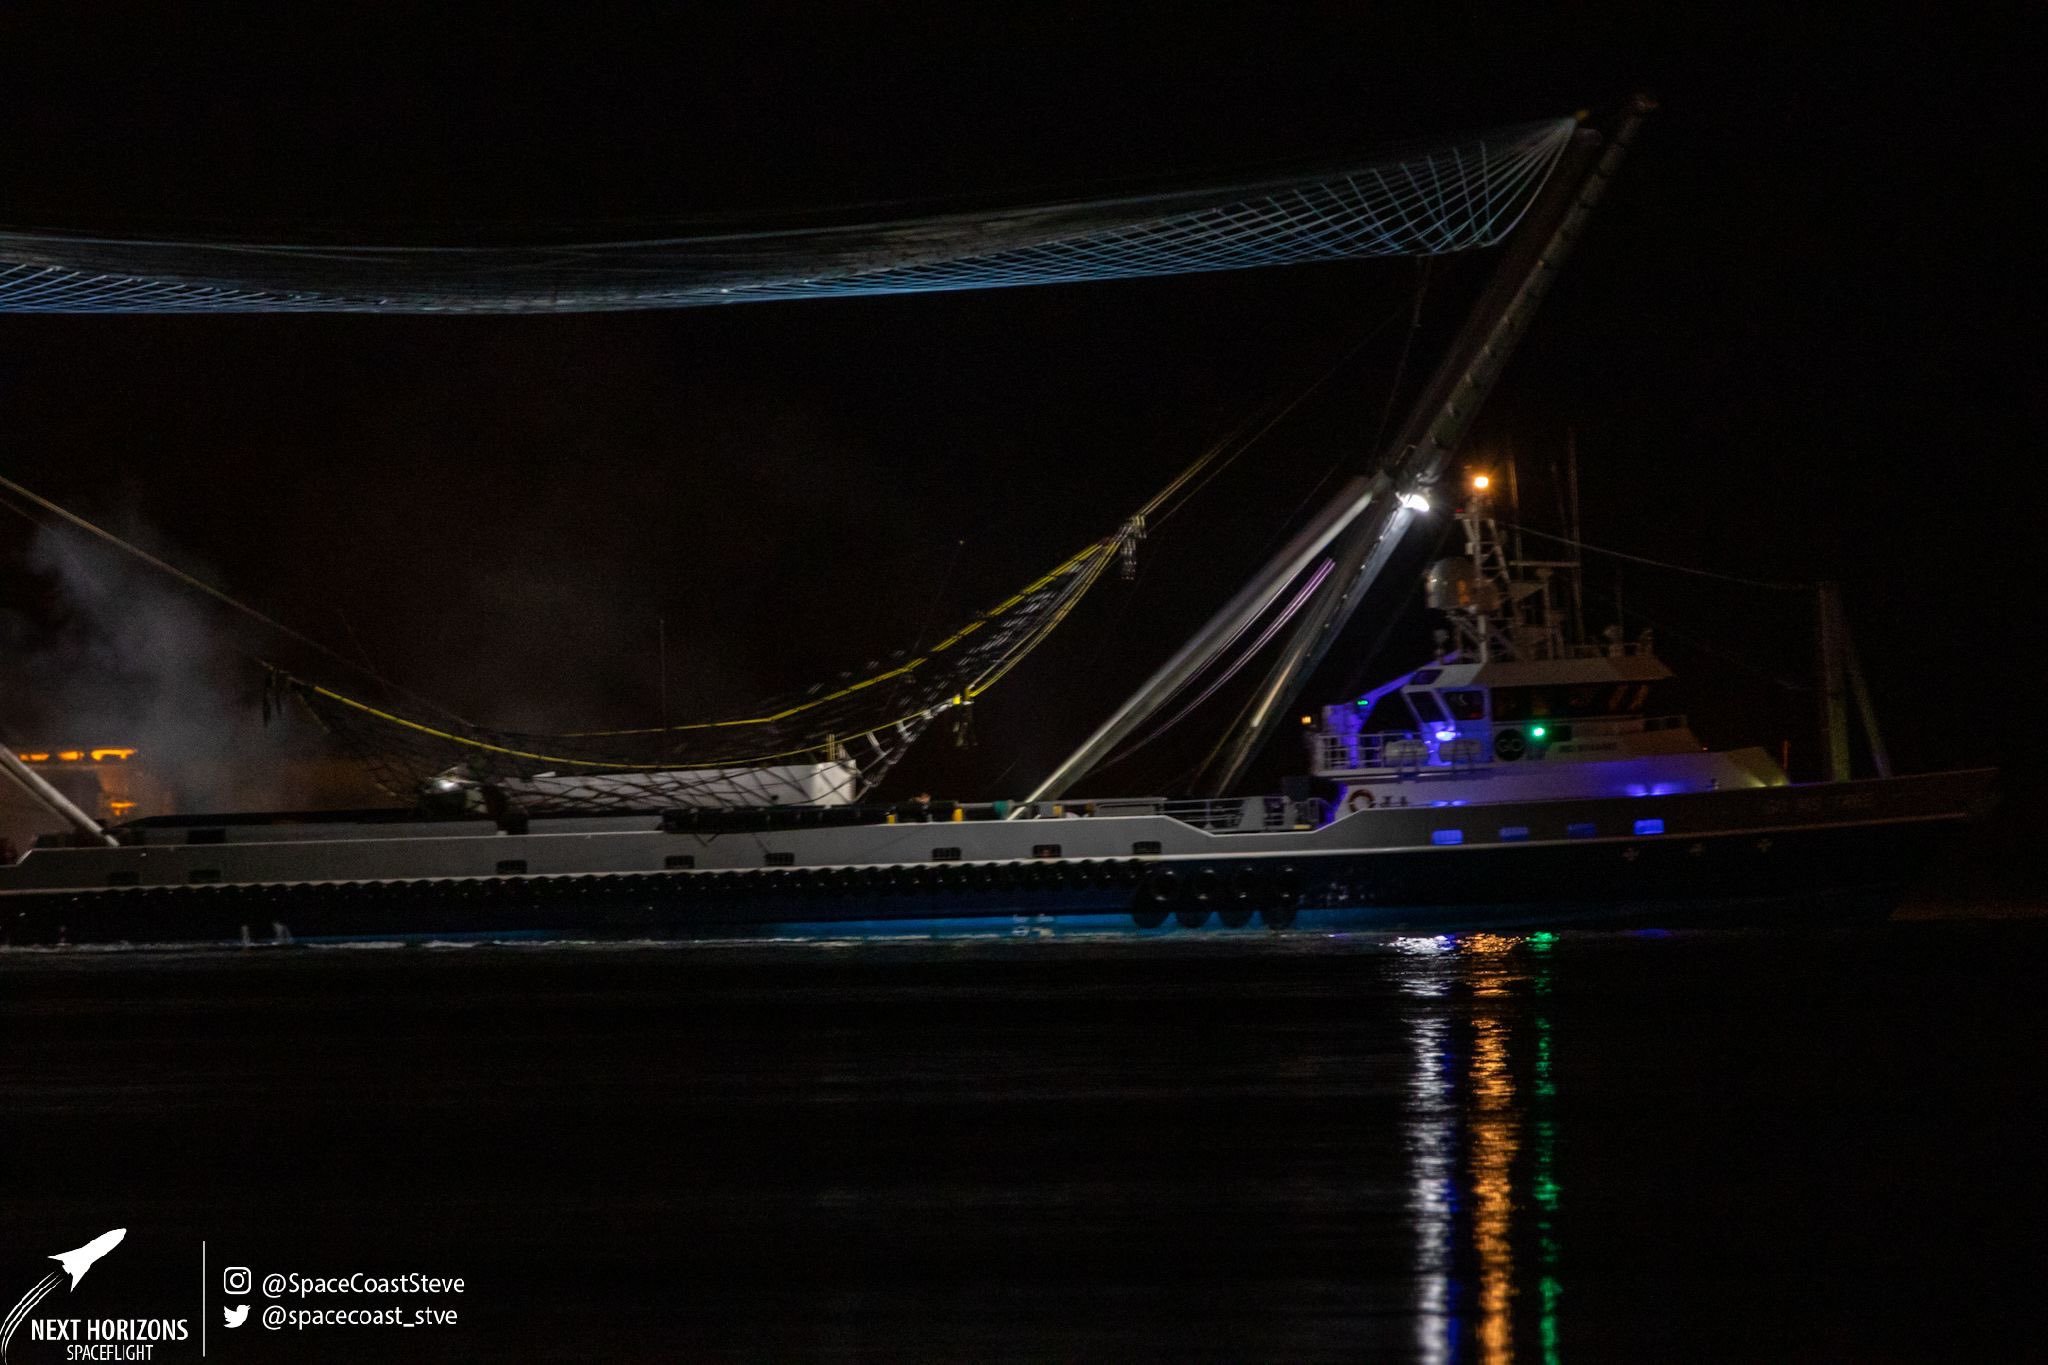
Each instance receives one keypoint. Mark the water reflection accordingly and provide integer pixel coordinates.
(1481, 1136)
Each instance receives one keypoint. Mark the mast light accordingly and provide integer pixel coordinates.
(1481, 482)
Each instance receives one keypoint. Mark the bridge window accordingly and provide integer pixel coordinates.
(1649, 826)
(1513, 703)
(1586, 700)
(1447, 836)
(1467, 703)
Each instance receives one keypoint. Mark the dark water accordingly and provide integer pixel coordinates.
(1629, 1146)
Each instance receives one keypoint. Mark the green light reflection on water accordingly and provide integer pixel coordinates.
(1545, 1187)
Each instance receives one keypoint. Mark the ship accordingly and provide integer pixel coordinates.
(1523, 775)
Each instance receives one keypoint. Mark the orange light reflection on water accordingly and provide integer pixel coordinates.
(1496, 1136)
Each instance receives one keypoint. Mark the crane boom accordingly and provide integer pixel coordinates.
(1434, 429)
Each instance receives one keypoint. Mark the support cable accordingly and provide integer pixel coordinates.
(1273, 628)
(1661, 563)
(200, 585)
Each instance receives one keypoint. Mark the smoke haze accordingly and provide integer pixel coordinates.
(115, 656)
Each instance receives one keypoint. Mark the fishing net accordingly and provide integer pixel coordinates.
(827, 746)
(1442, 198)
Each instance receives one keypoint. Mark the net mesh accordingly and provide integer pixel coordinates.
(1442, 198)
(829, 745)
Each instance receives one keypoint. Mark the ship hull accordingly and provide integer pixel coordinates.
(1784, 854)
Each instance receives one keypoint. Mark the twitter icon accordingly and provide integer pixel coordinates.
(237, 1315)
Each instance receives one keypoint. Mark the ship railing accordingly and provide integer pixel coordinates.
(1219, 813)
(1215, 815)
(1249, 814)
(1335, 750)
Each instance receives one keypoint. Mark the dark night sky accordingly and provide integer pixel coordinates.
(1791, 345)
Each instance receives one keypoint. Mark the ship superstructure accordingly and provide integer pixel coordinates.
(1516, 705)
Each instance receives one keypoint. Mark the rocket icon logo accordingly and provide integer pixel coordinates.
(72, 1263)
(237, 1315)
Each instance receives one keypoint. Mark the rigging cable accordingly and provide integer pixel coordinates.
(1295, 605)
(1337, 466)
(1285, 412)
(1661, 563)
(1273, 627)
(1379, 431)
(1216, 449)
(1706, 646)
(207, 588)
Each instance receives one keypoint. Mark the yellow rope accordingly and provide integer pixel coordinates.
(1010, 661)
(467, 741)
(1101, 549)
